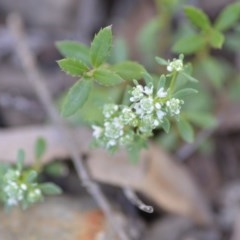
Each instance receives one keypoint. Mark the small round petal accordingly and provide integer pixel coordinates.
(161, 93)
(160, 114)
(97, 131)
(148, 90)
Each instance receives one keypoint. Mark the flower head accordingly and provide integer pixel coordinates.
(174, 106)
(175, 65)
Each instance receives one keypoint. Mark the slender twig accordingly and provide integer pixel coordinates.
(36, 80)
(135, 200)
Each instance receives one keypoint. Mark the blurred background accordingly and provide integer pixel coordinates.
(142, 30)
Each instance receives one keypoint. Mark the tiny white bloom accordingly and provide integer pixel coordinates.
(97, 131)
(160, 114)
(155, 123)
(175, 65)
(37, 191)
(12, 202)
(148, 90)
(174, 106)
(157, 105)
(111, 143)
(137, 93)
(161, 93)
(23, 186)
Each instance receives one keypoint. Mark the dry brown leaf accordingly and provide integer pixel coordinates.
(164, 180)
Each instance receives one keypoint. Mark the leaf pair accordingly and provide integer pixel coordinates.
(211, 34)
(89, 65)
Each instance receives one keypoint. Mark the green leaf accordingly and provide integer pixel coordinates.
(161, 82)
(232, 42)
(134, 150)
(201, 119)
(197, 17)
(76, 97)
(120, 52)
(101, 46)
(40, 148)
(161, 61)
(106, 77)
(216, 39)
(148, 78)
(214, 70)
(165, 125)
(189, 77)
(73, 49)
(20, 159)
(185, 130)
(31, 176)
(72, 67)
(185, 92)
(228, 17)
(129, 70)
(189, 44)
(50, 189)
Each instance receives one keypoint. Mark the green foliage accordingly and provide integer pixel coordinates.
(189, 44)
(19, 185)
(185, 130)
(50, 189)
(106, 77)
(101, 47)
(156, 102)
(73, 67)
(129, 70)
(74, 50)
(76, 97)
(161, 61)
(40, 148)
(228, 17)
(201, 119)
(20, 159)
(90, 65)
(197, 17)
(185, 92)
(216, 39)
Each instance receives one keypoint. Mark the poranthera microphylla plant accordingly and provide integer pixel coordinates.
(150, 102)
(19, 185)
(150, 106)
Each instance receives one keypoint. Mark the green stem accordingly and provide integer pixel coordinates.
(172, 84)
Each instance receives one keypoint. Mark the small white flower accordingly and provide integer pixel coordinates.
(175, 65)
(23, 186)
(174, 106)
(97, 131)
(137, 93)
(155, 123)
(114, 129)
(127, 116)
(161, 93)
(12, 202)
(145, 106)
(111, 143)
(37, 192)
(158, 105)
(160, 114)
(148, 90)
(109, 110)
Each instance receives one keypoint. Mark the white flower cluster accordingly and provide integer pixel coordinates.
(15, 191)
(145, 113)
(175, 65)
